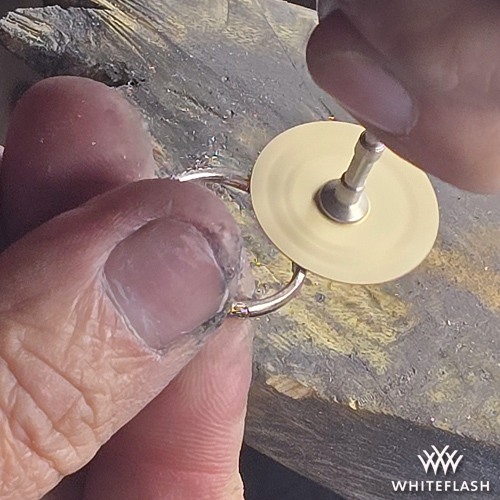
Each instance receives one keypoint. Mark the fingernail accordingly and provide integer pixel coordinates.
(368, 91)
(165, 281)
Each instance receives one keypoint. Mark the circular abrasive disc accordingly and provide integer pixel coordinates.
(394, 238)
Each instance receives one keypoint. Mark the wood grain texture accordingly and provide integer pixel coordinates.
(351, 382)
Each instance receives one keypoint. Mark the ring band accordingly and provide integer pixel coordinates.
(251, 308)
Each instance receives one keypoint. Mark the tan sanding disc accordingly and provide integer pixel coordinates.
(394, 238)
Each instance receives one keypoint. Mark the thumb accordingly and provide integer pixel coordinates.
(422, 75)
(105, 304)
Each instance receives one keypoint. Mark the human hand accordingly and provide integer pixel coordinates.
(105, 305)
(424, 75)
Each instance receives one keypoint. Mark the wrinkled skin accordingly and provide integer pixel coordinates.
(97, 315)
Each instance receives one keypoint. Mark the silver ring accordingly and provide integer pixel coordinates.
(256, 307)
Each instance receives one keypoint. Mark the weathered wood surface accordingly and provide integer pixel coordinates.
(351, 382)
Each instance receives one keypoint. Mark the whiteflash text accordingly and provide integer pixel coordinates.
(441, 486)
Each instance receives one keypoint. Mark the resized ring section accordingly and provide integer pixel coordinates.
(251, 308)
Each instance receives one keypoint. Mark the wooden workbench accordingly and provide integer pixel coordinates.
(351, 382)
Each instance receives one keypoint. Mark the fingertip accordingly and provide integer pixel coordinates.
(421, 77)
(70, 139)
(53, 281)
(343, 64)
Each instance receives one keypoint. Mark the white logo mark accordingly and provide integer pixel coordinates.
(437, 459)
